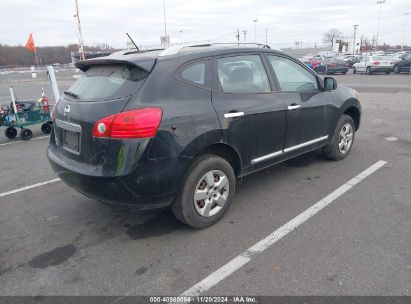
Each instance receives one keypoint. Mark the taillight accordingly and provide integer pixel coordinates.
(140, 123)
(375, 62)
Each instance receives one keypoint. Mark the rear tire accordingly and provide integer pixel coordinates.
(354, 71)
(26, 134)
(396, 69)
(368, 71)
(46, 128)
(342, 139)
(211, 177)
(388, 72)
(10, 132)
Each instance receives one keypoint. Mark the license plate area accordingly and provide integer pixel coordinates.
(71, 141)
(70, 136)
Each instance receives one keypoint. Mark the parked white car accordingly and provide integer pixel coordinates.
(370, 64)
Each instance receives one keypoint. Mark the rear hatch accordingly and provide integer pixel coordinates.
(338, 64)
(382, 61)
(103, 90)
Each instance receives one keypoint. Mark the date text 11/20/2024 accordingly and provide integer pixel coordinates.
(203, 299)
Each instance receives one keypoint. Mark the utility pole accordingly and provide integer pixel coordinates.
(80, 35)
(380, 3)
(362, 37)
(245, 34)
(403, 29)
(266, 34)
(355, 34)
(255, 29)
(165, 22)
(238, 37)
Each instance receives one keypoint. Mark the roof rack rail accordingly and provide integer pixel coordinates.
(176, 49)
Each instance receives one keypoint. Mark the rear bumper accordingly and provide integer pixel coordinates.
(323, 69)
(382, 69)
(337, 70)
(153, 183)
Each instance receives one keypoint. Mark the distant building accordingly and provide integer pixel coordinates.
(342, 46)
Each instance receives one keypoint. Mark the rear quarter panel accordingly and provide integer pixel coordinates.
(189, 122)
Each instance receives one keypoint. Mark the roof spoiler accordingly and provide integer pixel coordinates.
(143, 63)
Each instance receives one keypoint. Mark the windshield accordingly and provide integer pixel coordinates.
(106, 82)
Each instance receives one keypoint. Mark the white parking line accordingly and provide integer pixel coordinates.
(19, 141)
(29, 187)
(245, 257)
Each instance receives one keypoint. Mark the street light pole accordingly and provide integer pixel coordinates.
(380, 3)
(80, 39)
(266, 40)
(165, 22)
(255, 29)
(355, 34)
(403, 29)
(245, 38)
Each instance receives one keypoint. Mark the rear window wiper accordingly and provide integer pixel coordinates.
(74, 95)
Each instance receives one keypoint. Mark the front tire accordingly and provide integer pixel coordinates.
(342, 140)
(354, 71)
(368, 71)
(396, 69)
(206, 193)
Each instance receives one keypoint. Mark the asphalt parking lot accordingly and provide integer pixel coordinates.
(54, 241)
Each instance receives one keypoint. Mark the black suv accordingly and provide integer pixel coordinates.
(176, 127)
(404, 65)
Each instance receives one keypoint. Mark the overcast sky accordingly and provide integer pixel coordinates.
(52, 21)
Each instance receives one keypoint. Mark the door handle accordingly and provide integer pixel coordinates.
(294, 106)
(233, 114)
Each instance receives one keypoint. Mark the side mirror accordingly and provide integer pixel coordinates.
(330, 83)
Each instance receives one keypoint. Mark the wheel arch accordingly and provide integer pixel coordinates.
(223, 150)
(354, 113)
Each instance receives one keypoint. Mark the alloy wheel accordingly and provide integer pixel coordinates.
(211, 193)
(346, 138)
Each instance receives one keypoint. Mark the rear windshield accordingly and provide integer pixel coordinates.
(106, 82)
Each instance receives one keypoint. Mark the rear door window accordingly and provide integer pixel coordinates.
(242, 74)
(107, 82)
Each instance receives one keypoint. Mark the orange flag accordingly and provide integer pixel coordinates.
(30, 44)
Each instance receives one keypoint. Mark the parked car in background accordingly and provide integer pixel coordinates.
(315, 62)
(177, 127)
(403, 65)
(349, 59)
(397, 57)
(307, 62)
(371, 64)
(332, 66)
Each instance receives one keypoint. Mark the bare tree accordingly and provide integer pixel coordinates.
(331, 35)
